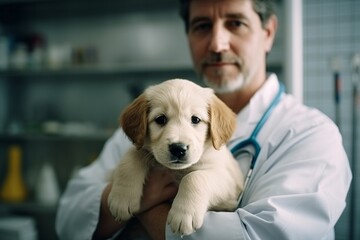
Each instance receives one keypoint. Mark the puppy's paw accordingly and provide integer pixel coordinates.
(183, 221)
(123, 204)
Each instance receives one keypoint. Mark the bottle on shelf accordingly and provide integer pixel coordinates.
(13, 188)
(4, 50)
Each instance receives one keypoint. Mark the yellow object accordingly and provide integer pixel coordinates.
(13, 189)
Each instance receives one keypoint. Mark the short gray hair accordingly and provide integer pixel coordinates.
(264, 8)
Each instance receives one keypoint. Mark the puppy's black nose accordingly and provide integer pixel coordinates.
(178, 150)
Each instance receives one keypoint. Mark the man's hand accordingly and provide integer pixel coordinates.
(107, 225)
(159, 188)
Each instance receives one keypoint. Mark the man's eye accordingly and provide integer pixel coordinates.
(235, 23)
(195, 120)
(161, 120)
(201, 27)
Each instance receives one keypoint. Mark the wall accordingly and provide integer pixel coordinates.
(332, 33)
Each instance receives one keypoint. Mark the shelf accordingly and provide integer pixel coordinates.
(54, 137)
(121, 69)
(87, 70)
(28, 206)
(19, 10)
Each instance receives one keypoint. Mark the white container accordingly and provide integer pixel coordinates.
(4, 52)
(19, 58)
(47, 188)
(17, 228)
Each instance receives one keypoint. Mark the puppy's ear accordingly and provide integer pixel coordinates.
(222, 122)
(133, 120)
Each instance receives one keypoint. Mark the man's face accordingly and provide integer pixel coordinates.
(227, 42)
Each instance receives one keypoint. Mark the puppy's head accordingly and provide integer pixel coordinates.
(177, 121)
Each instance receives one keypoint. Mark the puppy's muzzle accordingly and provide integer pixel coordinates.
(178, 152)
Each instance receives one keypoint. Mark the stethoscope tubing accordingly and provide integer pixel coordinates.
(252, 140)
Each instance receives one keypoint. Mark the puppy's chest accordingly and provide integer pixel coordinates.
(178, 175)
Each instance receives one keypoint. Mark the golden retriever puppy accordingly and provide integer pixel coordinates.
(183, 127)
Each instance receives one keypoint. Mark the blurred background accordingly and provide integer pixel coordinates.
(68, 68)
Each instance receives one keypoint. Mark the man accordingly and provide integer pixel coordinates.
(301, 177)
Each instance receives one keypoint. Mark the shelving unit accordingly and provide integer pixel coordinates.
(79, 93)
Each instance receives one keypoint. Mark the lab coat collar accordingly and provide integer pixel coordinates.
(251, 114)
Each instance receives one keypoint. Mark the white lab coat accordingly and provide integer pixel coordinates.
(297, 190)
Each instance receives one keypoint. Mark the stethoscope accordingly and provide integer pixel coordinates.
(244, 146)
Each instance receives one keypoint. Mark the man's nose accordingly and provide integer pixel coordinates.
(220, 39)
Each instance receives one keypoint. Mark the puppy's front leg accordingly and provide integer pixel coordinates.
(190, 204)
(127, 185)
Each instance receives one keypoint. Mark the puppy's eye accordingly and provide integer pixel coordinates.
(195, 120)
(161, 120)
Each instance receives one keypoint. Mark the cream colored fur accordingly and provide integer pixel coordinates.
(208, 176)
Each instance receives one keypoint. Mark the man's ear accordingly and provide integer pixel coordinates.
(133, 120)
(222, 122)
(270, 29)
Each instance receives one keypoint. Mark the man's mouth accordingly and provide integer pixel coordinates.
(218, 64)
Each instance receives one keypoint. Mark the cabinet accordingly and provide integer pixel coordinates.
(61, 110)
(97, 56)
